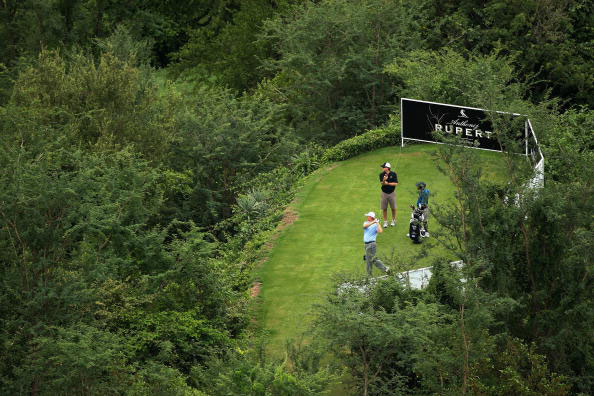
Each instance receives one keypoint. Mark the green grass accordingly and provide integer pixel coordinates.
(327, 237)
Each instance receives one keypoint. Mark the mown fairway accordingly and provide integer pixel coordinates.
(327, 237)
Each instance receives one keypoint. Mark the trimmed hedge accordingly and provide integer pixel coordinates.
(388, 135)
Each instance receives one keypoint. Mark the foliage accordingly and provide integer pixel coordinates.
(79, 102)
(330, 62)
(523, 249)
(397, 341)
(388, 135)
(223, 141)
(228, 50)
(449, 76)
(81, 358)
(249, 372)
(218, 39)
(376, 345)
(535, 252)
(134, 209)
(91, 269)
(551, 40)
(569, 148)
(85, 276)
(307, 160)
(27, 27)
(206, 139)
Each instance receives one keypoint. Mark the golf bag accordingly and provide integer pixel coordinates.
(415, 228)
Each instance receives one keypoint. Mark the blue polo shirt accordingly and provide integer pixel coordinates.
(370, 233)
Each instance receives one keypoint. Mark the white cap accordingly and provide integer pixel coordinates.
(387, 165)
(370, 214)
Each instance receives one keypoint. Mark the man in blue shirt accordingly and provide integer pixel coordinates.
(423, 203)
(370, 229)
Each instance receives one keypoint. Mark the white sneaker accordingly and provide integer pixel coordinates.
(426, 234)
(385, 224)
(393, 223)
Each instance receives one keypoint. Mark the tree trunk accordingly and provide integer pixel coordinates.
(465, 343)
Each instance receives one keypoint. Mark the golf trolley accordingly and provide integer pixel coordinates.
(416, 228)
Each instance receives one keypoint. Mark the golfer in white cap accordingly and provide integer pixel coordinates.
(389, 180)
(370, 229)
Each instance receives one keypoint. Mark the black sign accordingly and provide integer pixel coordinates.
(421, 119)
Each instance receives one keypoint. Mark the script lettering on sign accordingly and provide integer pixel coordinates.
(420, 120)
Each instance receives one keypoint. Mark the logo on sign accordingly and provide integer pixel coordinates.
(431, 121)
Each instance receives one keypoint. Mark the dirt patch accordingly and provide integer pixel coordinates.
(289, 217)
(255, 289)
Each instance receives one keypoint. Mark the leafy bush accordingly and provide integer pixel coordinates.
(569, 147)
(223, 141)
(248, 372)
(307, 160)
(330, 64)
(81, 359)
(388, 135)
(394, 340)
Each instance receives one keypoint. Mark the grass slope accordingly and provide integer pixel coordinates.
(327, 237)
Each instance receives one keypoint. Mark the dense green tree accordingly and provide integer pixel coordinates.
(569, 147)
(376, 345)
(207, 139)
(222, 141)
(551, 40)
(104, 105)
(26, 27)
(534, 250)
(397, 341)
(89, 267)
(229, 51)
(449, 76)
(330, 64)
(250, 372)
(85, 275)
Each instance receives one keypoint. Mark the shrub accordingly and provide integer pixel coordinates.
(388, 135)
(307, 160)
